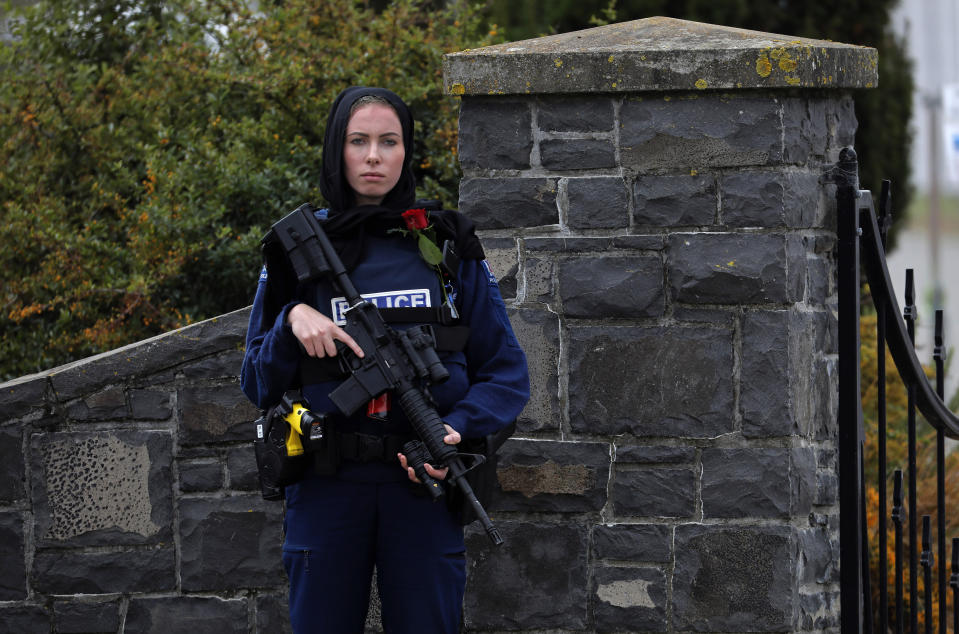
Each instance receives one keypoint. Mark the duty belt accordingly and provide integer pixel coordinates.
(369, 447)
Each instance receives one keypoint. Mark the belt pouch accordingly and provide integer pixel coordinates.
(326, 457)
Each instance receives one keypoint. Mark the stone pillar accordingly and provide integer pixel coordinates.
(649, 194)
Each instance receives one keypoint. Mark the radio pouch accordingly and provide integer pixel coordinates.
(276, 467)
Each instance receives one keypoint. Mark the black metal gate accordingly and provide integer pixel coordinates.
(862, 241)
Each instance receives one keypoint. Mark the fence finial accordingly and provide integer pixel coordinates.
(845, 172)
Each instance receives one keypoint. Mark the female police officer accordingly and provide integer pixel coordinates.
(366, 514)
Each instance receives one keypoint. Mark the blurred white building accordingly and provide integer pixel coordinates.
(930, 28)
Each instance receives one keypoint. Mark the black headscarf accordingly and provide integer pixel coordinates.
(333, 184)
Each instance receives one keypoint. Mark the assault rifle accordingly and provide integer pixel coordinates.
(400, 362)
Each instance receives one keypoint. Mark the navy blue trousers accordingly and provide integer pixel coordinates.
(338, 528)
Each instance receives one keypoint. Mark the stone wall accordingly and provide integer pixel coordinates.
(649, 196)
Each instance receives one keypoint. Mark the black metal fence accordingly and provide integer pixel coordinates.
(861, 245)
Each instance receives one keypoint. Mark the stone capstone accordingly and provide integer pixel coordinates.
(658, 53)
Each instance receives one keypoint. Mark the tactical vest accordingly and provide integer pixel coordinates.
(394, 276)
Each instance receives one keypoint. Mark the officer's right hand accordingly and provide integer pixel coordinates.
(317, 333)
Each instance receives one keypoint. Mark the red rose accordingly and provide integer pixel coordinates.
(415, 219)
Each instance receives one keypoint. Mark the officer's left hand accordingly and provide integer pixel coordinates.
(451, 438)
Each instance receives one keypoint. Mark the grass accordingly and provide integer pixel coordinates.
(917, 216)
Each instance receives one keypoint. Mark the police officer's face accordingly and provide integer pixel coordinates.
(373, 152)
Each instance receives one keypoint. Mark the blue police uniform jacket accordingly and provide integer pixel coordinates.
(488, 384)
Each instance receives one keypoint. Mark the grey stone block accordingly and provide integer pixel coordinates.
(241, 467)
(654, 493)
(629, 599)
(26, 619)
(230, 542)
(538, 334)
(757, 482)
(707, 131)
(785, 387)
(102, 488)
(550, 476)
(655, 454)
(22, 396)
(724, 316)
(198, 477)
(604, 287)
(108, 404)
(618, 375)
(597, 203)
(819, 611)
(501, 577)
(58, 571)
(674, 200)
(633, 542)
(539, 274)
(224, 365)
(595, 243)
(841, 123)
(575, 114)
(150, 404)
(81, 618)
(817, 561)
(214, 414)
(796, 264)
(827, 489)
(804, 129)
(187, 615)
(494, 134)
(13, 581)
(754, 199)
(642, 243)
(804, 201)
(725, 268)
(12, 468)
(733, 579)
(820, 279)
(577, 154)
(502, 256)
(272, 613)
(767, 375)
(498, 203)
